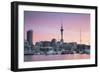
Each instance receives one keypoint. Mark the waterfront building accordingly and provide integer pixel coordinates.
(53, 42)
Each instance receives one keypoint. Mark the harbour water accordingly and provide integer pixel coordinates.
(28, 58)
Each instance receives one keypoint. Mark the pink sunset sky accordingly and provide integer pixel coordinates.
(46, 26)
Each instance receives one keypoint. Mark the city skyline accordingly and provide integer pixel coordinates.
(46, 26)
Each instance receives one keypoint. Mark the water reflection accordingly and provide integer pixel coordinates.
(55, 57)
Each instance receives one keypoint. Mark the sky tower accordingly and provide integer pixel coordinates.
(62, 32)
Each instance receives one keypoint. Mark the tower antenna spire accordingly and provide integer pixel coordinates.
(61, 23)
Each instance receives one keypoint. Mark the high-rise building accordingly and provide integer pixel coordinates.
(61, 33)
(53, 42)
(30, 36)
